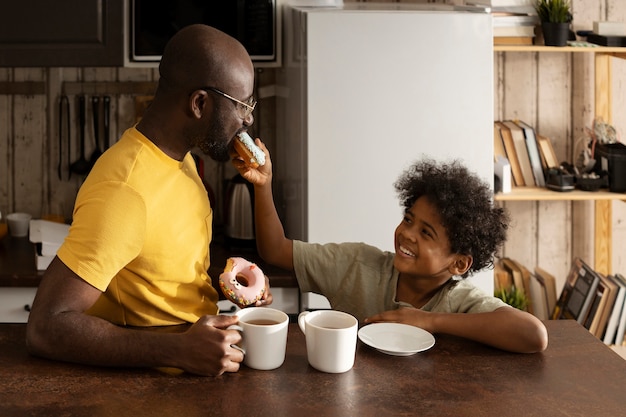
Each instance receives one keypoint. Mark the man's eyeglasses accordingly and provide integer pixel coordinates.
(244, 110)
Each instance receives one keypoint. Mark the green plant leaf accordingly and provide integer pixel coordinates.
(555, 11)
(513, 297)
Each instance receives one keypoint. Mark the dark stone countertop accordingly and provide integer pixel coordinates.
(576, 376)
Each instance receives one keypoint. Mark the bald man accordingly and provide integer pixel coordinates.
(129, 286)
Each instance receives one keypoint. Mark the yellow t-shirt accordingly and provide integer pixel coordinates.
(140, 233)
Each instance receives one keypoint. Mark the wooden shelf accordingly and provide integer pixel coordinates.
(610, 50)
(543, 194)
(603, 108)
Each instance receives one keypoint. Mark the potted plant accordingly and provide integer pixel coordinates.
(513, 297)
(555, 17)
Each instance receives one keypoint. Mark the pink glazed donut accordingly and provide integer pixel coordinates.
(242, 282)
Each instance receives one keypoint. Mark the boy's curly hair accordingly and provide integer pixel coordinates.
(474, 225)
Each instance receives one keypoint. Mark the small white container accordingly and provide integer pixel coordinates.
(18, 224)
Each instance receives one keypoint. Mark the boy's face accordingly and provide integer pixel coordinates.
(422, 244)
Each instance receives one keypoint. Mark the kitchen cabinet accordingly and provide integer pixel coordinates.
(43, 33)
(602, 200)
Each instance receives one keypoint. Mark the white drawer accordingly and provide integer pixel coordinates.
(15, 304)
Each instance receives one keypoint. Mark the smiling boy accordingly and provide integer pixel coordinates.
(450, 229)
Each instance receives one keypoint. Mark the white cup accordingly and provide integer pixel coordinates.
(18, 224)
(264, 337)
(330, 339)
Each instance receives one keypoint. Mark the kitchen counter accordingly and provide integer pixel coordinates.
(576, 376)
(18, 267)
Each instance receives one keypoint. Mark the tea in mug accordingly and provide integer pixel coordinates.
(262, 322)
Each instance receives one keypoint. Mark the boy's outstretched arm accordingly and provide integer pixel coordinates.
(506, 328)
(272, 244)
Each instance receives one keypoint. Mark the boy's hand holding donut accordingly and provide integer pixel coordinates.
(255, 169)
(251, 155)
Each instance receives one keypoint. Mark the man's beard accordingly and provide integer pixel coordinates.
(215, 142)
(217, 150)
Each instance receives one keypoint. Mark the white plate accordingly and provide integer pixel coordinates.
(396, 339)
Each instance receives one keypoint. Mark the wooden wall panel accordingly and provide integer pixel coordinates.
(616, 11)
(6, 180)
(28, 144)
(553, 94)
(619, 120)
(62, 191)
(518, 102)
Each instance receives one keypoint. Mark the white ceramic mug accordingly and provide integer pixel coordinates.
(330, 339)
(18, 224)
(264, 336)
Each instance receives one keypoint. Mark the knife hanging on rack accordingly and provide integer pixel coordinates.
(64, 110)
(107, 114)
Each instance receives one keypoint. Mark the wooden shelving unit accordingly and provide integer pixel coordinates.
(541, 48)
(602, 199)
(544, 194)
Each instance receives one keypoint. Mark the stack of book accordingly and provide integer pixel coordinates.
(594, 300)
(538, 286)
(529, 154)
(514, 21)
(608, 34)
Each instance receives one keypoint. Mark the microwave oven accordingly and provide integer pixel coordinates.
(255, 23)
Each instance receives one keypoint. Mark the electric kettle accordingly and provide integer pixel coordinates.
(239, 211)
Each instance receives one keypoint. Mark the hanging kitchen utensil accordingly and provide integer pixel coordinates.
(64, 109)
(107, 115)
(95, 101)
(81, 166)
(68, 125)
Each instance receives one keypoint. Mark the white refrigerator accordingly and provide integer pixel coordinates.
(364, 91)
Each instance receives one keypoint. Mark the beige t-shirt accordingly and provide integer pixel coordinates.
(140, 233)
(361, 280)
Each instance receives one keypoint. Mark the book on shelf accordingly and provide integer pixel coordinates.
(595, 308)
(549, 283)
(503, 280)
(519, 140)
(546, 151)
(513, 40)
(621, 326)
(578, 292)
(515, 19)
(533, 153)
(616, 311)
(501, 3)
(513, 269)
(498, 145)
(528, 31)
(502, 171)
(521, 278)
(505, 7)
(601, 316)
(526, 280)
(511, 154)
(606, 40)
(539, 297)
(607, 28)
